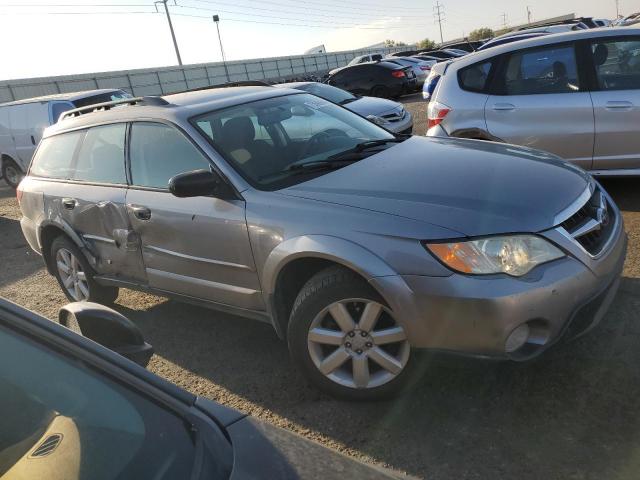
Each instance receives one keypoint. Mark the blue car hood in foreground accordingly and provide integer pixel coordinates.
(468, 186)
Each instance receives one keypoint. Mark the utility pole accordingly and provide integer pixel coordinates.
(438, 16)
(617, 9)
(504, 20)
(529, 14)
(216, 20)
(173, 35)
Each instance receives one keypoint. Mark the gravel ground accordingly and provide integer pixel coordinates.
(572, 414)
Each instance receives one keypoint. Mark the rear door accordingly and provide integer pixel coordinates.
(19, 122)
(94, 203)
(198, 247)
(616, 101)
(541, 101)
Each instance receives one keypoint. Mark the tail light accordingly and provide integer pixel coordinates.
(436, 113)
(398, 73)
(425, 68)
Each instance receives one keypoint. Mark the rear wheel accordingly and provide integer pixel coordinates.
(380, 91)
(346, 339)
(75, 275)
(11, 172)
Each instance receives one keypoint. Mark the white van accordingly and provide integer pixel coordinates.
(23, 121)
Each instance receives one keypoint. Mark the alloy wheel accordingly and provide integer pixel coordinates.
(358, 344)
(73, 277)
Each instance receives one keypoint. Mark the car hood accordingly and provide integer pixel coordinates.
(261, 450)
(470, 187)
(372, 106)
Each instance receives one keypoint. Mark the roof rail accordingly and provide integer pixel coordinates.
(242, 83)
(148, 101)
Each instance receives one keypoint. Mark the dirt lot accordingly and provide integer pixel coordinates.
(572, 414)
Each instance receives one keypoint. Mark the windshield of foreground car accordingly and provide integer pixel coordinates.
(263, 139)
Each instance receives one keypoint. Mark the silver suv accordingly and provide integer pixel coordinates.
(354, 243)
(574, 94)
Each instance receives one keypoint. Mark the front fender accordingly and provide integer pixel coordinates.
(336, 249)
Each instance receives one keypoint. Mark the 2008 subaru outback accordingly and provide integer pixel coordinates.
(355, 244)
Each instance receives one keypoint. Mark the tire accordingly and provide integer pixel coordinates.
(312, 324)
(77, 282)
(380, 91)
(11, 172)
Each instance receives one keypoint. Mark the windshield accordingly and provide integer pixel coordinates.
(263, 139)
(333, 94)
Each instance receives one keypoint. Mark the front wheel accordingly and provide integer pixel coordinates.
(345, 338)
(12, 173)
(75, 275)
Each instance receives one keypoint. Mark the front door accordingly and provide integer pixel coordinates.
(543, 104)
(616, 102)
(198, 247)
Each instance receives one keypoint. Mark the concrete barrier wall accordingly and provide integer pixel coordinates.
(164, 80)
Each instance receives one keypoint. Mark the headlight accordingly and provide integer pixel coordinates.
(514, 255)
(377, 120)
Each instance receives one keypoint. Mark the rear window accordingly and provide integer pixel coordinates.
(474, 78)
(54, 156)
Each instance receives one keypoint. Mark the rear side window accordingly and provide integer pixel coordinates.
(541, 71)
(101, 156)
(159, 152)
(617, 63)
(474, 77)
(55, 155)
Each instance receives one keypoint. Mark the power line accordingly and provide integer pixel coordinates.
(306, 12)
(329, 7)
(438, 15)
(278, 17)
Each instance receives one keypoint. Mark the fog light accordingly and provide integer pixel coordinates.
(517, 338)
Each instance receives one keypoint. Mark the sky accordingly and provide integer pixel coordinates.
(60, 37)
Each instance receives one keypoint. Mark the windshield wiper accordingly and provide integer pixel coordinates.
(319, 165)
(348, 100)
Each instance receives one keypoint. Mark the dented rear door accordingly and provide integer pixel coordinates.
(93, 204)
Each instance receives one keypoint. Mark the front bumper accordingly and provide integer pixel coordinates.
(475, 315)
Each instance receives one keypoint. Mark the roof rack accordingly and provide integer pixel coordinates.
(145, 101)
(242, 83)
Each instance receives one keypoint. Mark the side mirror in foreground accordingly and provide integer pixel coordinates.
(108, 328)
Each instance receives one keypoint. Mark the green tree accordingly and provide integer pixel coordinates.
(426, 44)
(394, 43)
(481, 34)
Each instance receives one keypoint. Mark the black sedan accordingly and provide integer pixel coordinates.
(73, 409)
(379, 79)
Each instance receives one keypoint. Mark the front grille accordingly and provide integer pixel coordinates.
(592, 225)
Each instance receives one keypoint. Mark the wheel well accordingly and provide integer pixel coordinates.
(8, 157)
(47, 236)
(291, 279)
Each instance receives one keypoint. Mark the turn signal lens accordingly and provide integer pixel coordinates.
(398, 73)
(514, 255)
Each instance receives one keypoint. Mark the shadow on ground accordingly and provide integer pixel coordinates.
(571, 414)
(17, 260)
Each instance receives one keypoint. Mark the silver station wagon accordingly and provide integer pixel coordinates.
(358, 246)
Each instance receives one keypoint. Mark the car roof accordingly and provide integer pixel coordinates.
(541, 41)
(72, 96)
(295, 84)
(178, 107)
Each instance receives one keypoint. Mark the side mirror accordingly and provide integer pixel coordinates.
(199, 183)
(108, 328)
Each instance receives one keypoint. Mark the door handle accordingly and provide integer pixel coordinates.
(504, 107)
(33, 140)
(141, 213)
(618, 105)
(69, 203)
